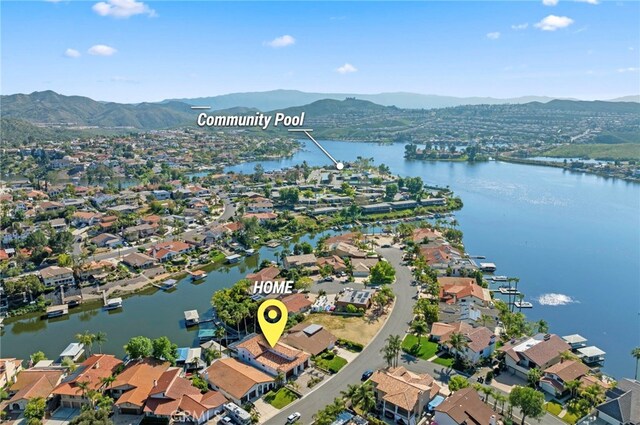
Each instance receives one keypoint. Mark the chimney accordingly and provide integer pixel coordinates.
(492, 420)
(155, 383)
(547, 337)
(97, 365)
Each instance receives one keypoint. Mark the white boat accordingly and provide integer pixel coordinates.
(507, 291)
(113, 303)
(523, 304)
(499, 278)
(488, 267)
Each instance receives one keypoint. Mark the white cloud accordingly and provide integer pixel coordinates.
(101, 50)
(629, 69)
(493, 35)
(72, 53)
(549, 2)
(553, 22)
(347, 68)
(518, 27)
(284, 41)
(588, 1)
(122, 8)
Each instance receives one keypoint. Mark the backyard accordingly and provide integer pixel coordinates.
(281, 398)
(424, 350)
(331, 362)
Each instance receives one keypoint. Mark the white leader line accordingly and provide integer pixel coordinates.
(339, 165)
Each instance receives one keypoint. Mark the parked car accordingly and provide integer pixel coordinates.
(226, 420)
(367, 374)
(293, 417)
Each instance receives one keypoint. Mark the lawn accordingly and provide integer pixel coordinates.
(553, 407)
(281, 398)
(446, 360)
(330, 362)
(570, 418)
(426, 350)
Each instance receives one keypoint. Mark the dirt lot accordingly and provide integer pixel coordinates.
(357, 329)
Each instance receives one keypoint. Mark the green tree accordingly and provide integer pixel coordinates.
(382, 273)
(533, 377)
(636, 355)
(458, 342)
(458, 382)
(303, 283)
(86, 339)
(100, 338)
(391, 350)
(139, 347)
(65, 260)
(163, 349)
(529, 401)
(391, 190)
(429, 311)
(419, 328)
(35, 410)
(92, 417)
(37, 357)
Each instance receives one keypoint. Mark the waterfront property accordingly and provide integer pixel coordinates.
(539, 351)
(256, 351)
(237, 381)
(464, 407)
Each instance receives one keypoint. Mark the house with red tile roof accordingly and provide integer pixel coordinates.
(296, 303)
(539, 351)
(238, 381)
(282, 358)
(403, 395)
(481, 342)
(267, 273)
(91, 372)
(132, 386)
(556, 376)
(465, 407)
(463, 291)
(164, 251)
(33, 383)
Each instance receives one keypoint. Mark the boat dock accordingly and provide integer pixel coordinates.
(57, 310)
(197, 274)
(113, 303)
(166, 285)
(191, 317)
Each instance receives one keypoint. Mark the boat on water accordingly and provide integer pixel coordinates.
(499, 278)
(508, 291)
(113, 303)
(168, 284)
(249, 252)
(273, 244)
(57, 310)
(523, 304)
(488, 267)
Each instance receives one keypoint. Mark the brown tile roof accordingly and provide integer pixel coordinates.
(296, 303)
(35, 383)
(172, 385)
(420, 234)
(276, 358)
(403, 388)
(314, 343)
(235, 378)
(141, 376)
(465, 406)
(267, 273)
(461, 287)
(568, 370)
(91, 370)
(546, 351)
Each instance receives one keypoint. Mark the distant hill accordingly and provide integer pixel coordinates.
(632, 98)
(587, 106)
(279, 99)
(48, 107)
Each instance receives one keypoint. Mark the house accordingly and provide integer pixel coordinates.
(256, 351)
(480, 341)
(107, 240)
(424, 234)
(132, 386)
(141, 231)
(161, 195)
(138, 260)
(267, 273)
(346, 250)
(463, 290)
(56, 276)
(122, 209)
(312, 339)
(464, 407)
(164, 251)
(622, 406)
(262, 217)
(260, 206)
(296, 303)
(360, 299)
(362, 266)
(237, 381)
(49, 206)
(85, 218)
(539, 351)
(303, 260)
(94, 269)
(9, 369)
(556, 376)
(336, 263)
(91, 371)
(32, 383)
(403, 395)
(58, 224)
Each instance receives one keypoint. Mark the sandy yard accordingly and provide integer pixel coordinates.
(357, 329)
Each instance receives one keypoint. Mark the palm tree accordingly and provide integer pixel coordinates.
(220, 333)
(395, 343)
(83, 386)
(458, 342)
(350, 392)
(100, 338)
(543, 326)
(484, 319)
(636, 355)
(388, 355)
(86, 339)
(533, 376)
(488, 392)
(365, 397)
(499, 398)
(107, 381)
(573, 386)
(419, 328)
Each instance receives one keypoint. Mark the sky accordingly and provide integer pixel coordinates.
(133, 51)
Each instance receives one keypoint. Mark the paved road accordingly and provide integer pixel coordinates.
(370, 358)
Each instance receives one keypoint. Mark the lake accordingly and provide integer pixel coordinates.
(573, 239)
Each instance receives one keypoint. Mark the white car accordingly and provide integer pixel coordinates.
(293, 417)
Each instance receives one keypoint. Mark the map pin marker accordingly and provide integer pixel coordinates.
(272, 317)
